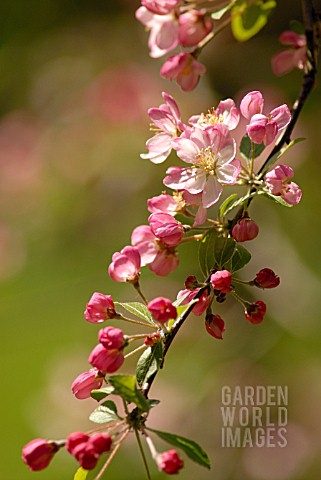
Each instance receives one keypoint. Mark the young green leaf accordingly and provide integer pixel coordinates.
(277, 199)
(240, 258)
(191, 448)
(149, 363)
(104, 414)
(125, 386)
(138, 309)
(102, 393)
(246, 147)
(81, 474)
(206, 256)
(240, 201)
(249, 18)
(218, 14)
(223, 251)
(225, 204)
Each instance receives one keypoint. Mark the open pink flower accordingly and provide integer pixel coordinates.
(161, 259)
(202, 303)
(277, 183)
(165, 203)
(86, 382)
(163, 31)
(125, 265)
(295, 57)
(166, 119)
(193, 27)
(166, 228)
(263, 128)
(226, 113)
(184, 69)
(160, 7)
(211, 154)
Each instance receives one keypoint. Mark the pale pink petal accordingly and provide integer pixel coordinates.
(283, 62)
(172, 105)
(211, 192)
(291, 193)
(164, 263)
(186, 149)
(162, 120)
(148, 251)
(228, 172)
(252, 104)
(281, 115)
(230, 113)
(143, 233)
(200, 216)
(167, 37)
(292, 39)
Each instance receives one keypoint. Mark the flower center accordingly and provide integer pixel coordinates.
(206, 160)
(211, 118)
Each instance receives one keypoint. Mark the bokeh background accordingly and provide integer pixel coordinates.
(75, 85)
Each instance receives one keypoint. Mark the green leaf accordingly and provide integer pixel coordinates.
(191, 448)
(206, 254)
(246, 148)
(102, 393)
(138, 309)
(149, 363)
(225, 204)
(218, 14)
(104, 414)
(224, 249)
(81, 474)
(240, 201)
(240, 258)
(182, 308)
(249, 18)
(278, 155)
(276, 199)
(125, 386)
(179, 300)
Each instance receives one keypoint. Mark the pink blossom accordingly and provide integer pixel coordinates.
(86, 382)
(255, 312)
(160, 7)
(184, 69)
(263, 128)
(277, 183)
(166, 228)
(245, 230)
(193, 27)
(38, 453)
(86, 455)
(161, 259)
(222, 281)
(162, 309)
(165, 203)
(101, 442)
(87, 449)
(283, 62)
(226, 113)
(266, 278)
(166, 119)
(111, 338)
(99, 308)
(215, 326)
(125, 265)
(75, 439)
(196, 200)
(169, 462)
(107, 361)
(163, 31)
(202, 303)
(211, 154)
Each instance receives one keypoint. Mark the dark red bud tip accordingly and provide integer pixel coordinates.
(255, 312)
(214, 325)
(266, 278)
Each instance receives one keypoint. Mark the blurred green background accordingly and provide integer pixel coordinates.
(75, 84)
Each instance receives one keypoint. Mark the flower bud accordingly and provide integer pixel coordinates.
(221, 281)
(38, 453)
(75, 439)
(107, 361)
(193, 27)
(252, 104)
(191, 282)
(244, 230)
(111, 338)
(150, 340)
(99, 308)
(86, 455)
(85, 383)
(166, 228)
(202, 303)
(255, 312)
(169, 462)
(125, 265)
(101, 442)
(162, 309)
(214, 325)
(184, 69)
(266, 278)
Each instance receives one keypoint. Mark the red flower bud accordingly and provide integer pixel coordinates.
(169, 462)
(38, 453)
(244, 230)
(152, 339)
(255, 312)
(86, 382)
(215, 325)
(111, 338)
(101, 442)
(99, 308)
(107, 361)
(162, 309)
(266, 278)
(221, 281)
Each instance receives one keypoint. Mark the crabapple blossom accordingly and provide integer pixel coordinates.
(210, 154)
(111, 338)
(161, 259)
(38, 453)
(277, 183)
(195, 200)
(166, 120)
(226, 113)
(99, 308)
(245, 229)
(88, 448)
(255, 312)
(75, 439)
(166, 228)
(169, 462)
(125, 265)
(162, 309)
(86, 382)
(184, 69)
(193, 26)
(266, 278)
(252, 104)
(165, 203)
(221, 281)
(160, 7)
(295, 57)
(101, 442)
(214, 325)
(163, 35)
(202, 303)
(106, 360)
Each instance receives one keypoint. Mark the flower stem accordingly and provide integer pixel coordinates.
(138, 349)
(142, 453)
(111, 456)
